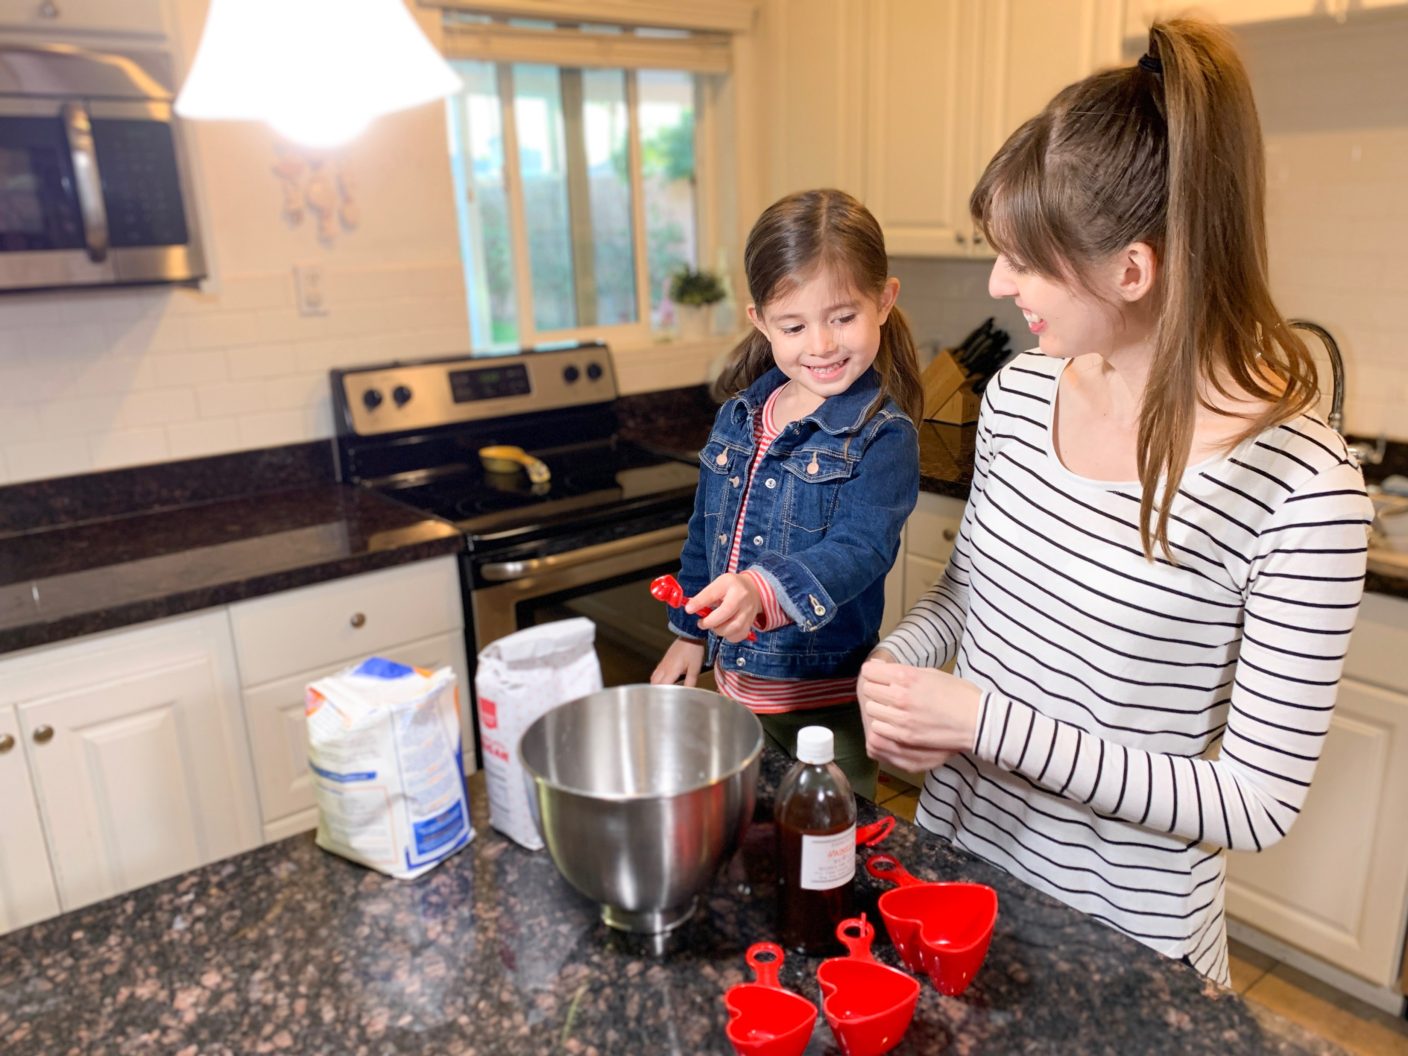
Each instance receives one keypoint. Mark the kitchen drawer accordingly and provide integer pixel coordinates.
(142, 17)
(1379, 643)
(919, 575)
(314, 627)
(278, 734)
(933, 527)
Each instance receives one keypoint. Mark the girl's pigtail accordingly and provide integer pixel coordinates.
(898, 365)
(750, 359)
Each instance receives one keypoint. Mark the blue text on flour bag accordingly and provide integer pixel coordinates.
(384, 749)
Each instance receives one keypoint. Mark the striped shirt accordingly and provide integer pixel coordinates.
(773, 695)
(1138, 719)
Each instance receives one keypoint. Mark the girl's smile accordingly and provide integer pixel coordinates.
(824, 335)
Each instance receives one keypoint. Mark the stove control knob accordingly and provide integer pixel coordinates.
(570, 374)
(372, 398)
(401, 394)
(594, 371)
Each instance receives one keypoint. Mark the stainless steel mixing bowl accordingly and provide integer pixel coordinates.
(640, 793)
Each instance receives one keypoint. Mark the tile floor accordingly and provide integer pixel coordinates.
(1356, 1027)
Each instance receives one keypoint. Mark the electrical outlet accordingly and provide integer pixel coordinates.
(308, 289)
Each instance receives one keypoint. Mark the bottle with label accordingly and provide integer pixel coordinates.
(816, 845)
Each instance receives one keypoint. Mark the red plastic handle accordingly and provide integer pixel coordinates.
(887, 867)
(765, 958)
(875, 832)
(856, 934)
(667, 589)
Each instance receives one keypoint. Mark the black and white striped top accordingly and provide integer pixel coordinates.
(1139, 718)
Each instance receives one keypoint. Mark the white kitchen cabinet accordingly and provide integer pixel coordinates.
(278, 734)
(947, 82)
(929, 537)
(27, 890)
(814, 125)
(1337, 885)
(1139, 13)
(144, 18)
(411, 613)
(137, 753)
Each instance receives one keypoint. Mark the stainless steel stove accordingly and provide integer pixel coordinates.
(587, 541)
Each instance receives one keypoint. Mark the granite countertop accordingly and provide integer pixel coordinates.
(289, 949)
(69, 580)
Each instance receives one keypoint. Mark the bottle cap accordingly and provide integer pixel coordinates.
(815, 744)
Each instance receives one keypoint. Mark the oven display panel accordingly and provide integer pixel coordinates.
(489, 383)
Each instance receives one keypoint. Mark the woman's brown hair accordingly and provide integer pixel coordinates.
(796, 237)
(1167, 152)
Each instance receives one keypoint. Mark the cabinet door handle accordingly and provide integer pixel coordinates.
(961, 239)
(6, 743)
(43, 735)
(48, 9)
(358, 619)
(950, 535)
(977, 240)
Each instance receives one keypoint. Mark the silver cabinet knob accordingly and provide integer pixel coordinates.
(358, 619)
(950, 535)
(43, 735)
(48, 9)
(6, 743)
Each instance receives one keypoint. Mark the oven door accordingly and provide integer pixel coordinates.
(608, 583)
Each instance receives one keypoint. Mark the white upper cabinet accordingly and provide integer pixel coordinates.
(902, 102)
(141, 18)
(1139, 13)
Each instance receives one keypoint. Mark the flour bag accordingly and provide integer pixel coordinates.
(520, 677)
(384, 748)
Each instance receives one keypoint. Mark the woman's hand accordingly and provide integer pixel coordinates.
(736, 604)
(915, 717)
(681, 660)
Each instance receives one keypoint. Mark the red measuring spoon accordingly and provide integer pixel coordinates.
(765, 1019)
(875, 832)
(940, 929)
(668, 589)
(868, 1005)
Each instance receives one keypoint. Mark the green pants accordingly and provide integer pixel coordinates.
(843, 720)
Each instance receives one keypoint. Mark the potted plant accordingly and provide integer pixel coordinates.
(695, 293)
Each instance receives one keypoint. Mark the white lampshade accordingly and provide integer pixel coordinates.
(316, 70)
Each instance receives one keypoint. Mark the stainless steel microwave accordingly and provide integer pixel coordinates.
(94, 187)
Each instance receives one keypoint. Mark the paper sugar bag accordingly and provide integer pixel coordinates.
(384, 747)
(520, 677)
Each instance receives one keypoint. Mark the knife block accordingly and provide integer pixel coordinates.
(948, 396)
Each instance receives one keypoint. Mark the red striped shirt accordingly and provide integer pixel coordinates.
(773, 695)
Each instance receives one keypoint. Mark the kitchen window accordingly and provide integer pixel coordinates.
(583, 183)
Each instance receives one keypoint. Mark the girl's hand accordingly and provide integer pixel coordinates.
(681, 660)
(916, 717)
(736, 605)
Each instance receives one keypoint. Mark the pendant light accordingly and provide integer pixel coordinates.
(316, 70)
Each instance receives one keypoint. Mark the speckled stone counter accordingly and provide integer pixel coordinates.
(289, 949)
(78, 579)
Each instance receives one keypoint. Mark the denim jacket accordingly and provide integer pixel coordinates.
(828, 502)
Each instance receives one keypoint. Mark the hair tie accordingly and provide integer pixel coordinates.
(1152, 64)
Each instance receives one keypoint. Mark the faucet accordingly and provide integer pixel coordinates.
(1362, 453)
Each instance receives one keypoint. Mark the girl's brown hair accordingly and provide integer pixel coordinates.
(793, 240)
(1166, 152)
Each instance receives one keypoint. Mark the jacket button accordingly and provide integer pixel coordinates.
(723, 538)
(817, 607)
(721, 459)
(812, 468)
(770, 482)
(740, 661)
(757, 540)
(734, 481)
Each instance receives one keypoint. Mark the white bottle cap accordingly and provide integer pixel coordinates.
(815, 744)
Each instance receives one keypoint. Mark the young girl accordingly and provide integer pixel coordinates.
(1162, 556)
(806, 481)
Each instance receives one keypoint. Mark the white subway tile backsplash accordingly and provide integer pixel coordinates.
(157, 407)
(206, 437)
(192, 368)
(129, 447)
(261, 361)
(49, 457)
(230, 398)
(221, 330)
(276, 427)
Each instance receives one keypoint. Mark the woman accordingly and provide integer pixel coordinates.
(1163, 553)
